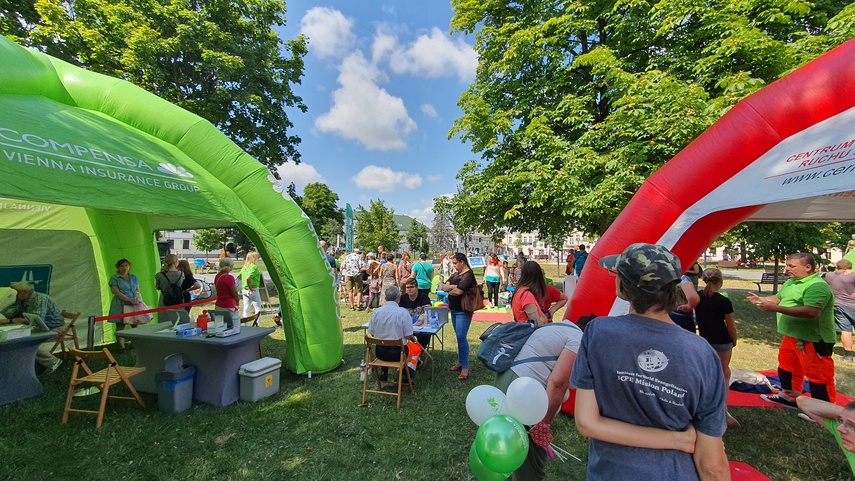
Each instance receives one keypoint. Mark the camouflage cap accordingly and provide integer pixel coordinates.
(649, 267)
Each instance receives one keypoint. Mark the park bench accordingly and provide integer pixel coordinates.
(769, 278)
(728, 264)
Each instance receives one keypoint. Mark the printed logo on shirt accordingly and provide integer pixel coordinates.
(652, 361)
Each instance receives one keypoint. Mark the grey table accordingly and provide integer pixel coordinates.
(216, 359)
(18, 367)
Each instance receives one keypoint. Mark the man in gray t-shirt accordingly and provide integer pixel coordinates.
(842, 285)
(560, 341)
(650, 395)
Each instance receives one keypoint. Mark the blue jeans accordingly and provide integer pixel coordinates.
(461, 321)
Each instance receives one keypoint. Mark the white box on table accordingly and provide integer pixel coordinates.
(14, 331)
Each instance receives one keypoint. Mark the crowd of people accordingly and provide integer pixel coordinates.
(651, 386)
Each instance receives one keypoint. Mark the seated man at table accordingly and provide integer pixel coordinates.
(390, 321)
(29, 303)
(415, 301)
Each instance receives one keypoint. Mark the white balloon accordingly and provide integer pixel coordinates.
(484, 401)
(527, 401)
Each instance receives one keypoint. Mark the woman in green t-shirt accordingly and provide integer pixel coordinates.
(250, 279)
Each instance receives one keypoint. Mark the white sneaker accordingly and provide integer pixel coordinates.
(55, 365)
(806, 417)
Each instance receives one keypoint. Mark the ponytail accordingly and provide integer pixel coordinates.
(712, 278)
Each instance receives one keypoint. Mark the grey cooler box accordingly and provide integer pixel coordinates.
(259, 379)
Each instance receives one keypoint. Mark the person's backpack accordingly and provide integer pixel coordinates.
(173, 294)
(502, 342)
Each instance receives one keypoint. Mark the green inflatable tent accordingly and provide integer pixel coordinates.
(93, 165)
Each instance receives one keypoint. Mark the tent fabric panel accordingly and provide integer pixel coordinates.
(68, 155)
(19, 79)
(74, 285)
(187, 145)
(127, 103)
(811, 95)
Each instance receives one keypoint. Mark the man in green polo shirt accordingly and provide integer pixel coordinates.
(805, 311)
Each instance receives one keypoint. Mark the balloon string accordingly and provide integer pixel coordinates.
(559, 452)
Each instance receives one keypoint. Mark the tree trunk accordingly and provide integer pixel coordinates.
(775, 285)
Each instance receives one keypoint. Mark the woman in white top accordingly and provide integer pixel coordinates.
(494, 276)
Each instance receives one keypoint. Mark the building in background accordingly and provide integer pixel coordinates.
(536, 248)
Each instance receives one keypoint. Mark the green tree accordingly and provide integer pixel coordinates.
(221, 60)
(772, 241)
(291, 190)
(576, 103)
(838, 234)
(441, 234)
(208, 240)
(240, 240)
(334, 232)
(417, 237)
(463, 221)
(319, 203)
(375, 227)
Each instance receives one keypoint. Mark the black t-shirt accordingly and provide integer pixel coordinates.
(463, 282)
(187, 284)
(421, 300)
(709, 314)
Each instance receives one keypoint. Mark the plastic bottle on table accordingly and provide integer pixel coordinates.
(434, 320)
(202, 321)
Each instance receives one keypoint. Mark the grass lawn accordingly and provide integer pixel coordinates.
(313, 429)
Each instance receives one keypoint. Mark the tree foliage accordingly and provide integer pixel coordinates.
(241, 240)
(334, 232)
(441, 234)
(417, 237)
(221, 60)
(576, 103)
(208, 240)
(376, 226)
(319, 203)
(775, 240)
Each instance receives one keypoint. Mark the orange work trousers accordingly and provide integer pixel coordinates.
(806, 362)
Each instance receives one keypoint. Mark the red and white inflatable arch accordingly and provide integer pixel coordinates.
(787, 152)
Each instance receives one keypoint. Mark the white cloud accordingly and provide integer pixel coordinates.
(435, 55)
(434, 178)
(425, 216)
(301, 175)
(329, 31)
(363, 111)
(383, 45)
(429, 110)
(384, 179)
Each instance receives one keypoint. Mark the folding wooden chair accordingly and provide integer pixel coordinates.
(68, 334)
(373, 363)
(103, 379)
(253, 321)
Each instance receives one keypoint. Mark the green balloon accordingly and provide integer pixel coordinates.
(501, 443)
(480, 471)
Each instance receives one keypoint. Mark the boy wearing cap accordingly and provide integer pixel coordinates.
(643, 370)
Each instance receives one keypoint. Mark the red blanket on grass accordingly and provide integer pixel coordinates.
(743, 399)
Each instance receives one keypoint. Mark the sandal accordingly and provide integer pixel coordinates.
(464, 375)
(456, 368)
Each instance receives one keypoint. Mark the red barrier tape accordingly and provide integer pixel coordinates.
(158, 309)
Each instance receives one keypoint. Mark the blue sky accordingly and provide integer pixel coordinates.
(381, 82)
